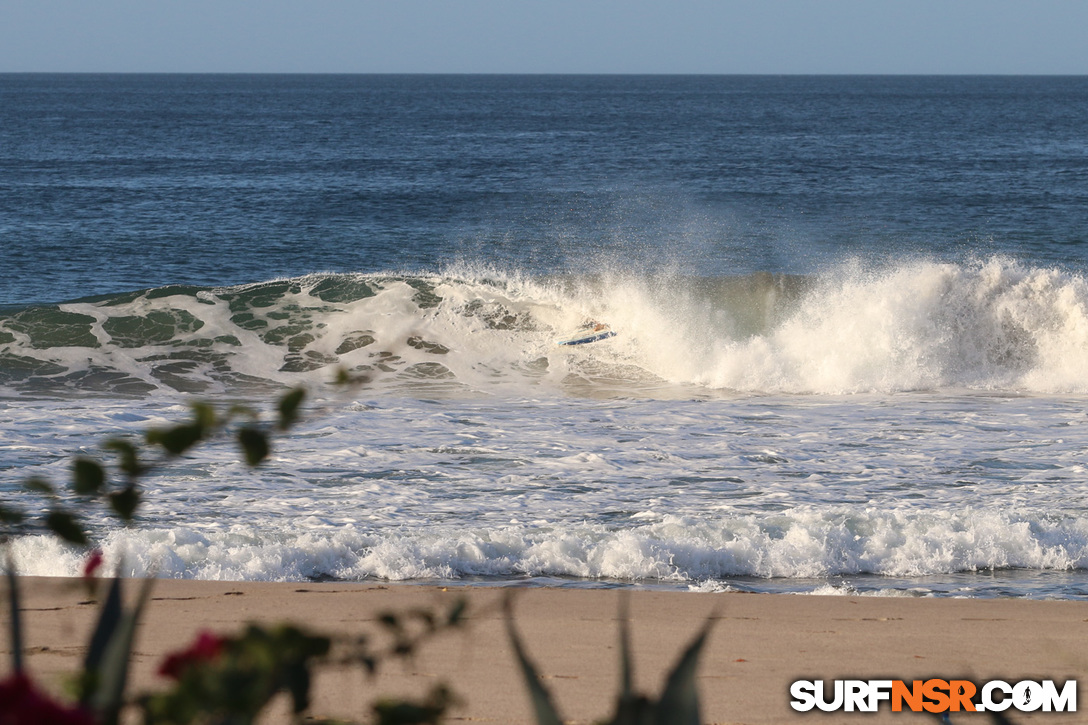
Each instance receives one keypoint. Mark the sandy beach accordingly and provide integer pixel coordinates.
(758, 646)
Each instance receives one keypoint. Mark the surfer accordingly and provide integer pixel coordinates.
(588, 331)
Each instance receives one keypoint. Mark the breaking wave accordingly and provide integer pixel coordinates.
(993, 324)
(799, 544)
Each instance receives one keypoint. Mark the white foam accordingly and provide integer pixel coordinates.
(804, 544)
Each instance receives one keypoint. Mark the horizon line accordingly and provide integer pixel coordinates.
(557, 73)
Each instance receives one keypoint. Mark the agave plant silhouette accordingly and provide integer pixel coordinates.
(677, 705)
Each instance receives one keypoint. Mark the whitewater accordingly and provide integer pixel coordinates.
(915, 428)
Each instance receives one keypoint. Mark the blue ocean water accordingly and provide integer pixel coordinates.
(851, 317)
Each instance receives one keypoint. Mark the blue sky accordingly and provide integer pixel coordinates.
(545, 36)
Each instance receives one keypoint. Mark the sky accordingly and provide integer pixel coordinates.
(545, 36)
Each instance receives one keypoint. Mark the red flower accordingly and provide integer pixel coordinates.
(94, 561)
(22, 704)
(206, 648)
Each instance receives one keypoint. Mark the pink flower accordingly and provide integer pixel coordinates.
(21, 703)
(206, 648)
(93, 563)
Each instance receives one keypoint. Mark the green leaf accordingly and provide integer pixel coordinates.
(247, 411)
(204, 416)
(66, 526)
(297, 678)
(457, 612)
(426, 618)
(16, 618)
(343, 377)
(254, 444)
(113, 672)
(124, 502)
(10, 515)
(407, 712)
(679, 703)
(288, 408)
(626, 667)
(543, 708)
(129, 459)
(182, 437)
(88, 476)
(37, 484)
(631, 708)
(108, 618)
(178, 439)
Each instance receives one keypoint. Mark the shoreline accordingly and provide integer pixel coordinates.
(759, 643)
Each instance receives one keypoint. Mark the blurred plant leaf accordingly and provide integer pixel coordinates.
(67, 527)
(405, 712)
(108, 618)
(254, 444)
(16, 618)
(178, 439)
(541, 699)
(88, 477)
(456, 613)
(37, 484)
(204, 416)
(679, 703)
(125, 502)
(426, 617)
(247, 411)
(296, 650)
(288, 407)
(626, 665)
(127, 454)
(182, 437)
(10, 515)
(113, 670)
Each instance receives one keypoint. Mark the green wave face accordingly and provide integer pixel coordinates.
(195, 340)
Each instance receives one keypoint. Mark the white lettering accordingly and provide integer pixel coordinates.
(987, 696)
(1064, 701)
(835, 704)
(804, 695)
(879, 690)
(994, 696)
(1027, 696)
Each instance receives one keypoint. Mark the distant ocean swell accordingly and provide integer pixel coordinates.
(994, 324)
(815, 542)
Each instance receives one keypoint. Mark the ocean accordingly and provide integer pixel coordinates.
(851, 317)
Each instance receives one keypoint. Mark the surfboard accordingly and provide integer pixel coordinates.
(587, 333)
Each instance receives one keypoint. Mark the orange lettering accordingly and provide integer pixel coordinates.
(913, 696)
(961, 693)
(934, 690)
